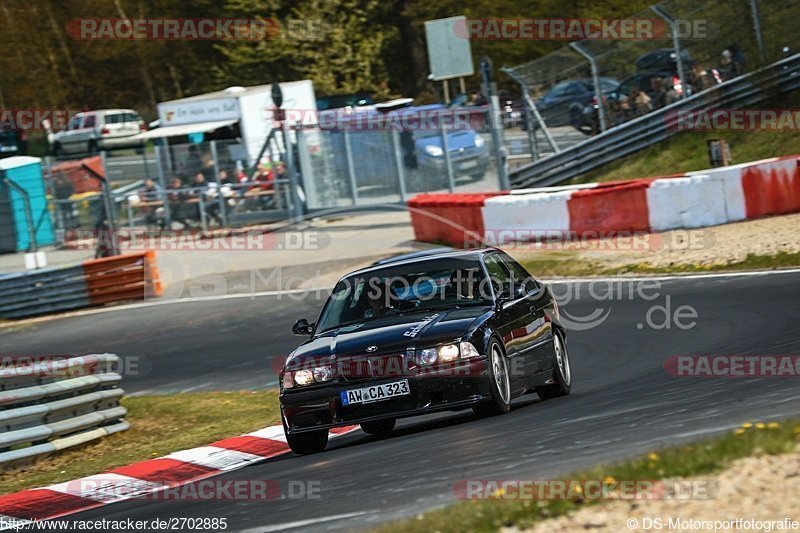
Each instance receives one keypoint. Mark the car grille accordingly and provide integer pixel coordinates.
(373, 367)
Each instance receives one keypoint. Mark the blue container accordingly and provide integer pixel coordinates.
(27, 173)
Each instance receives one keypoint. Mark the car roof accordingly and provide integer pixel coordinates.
(424, 255)
(106, 111)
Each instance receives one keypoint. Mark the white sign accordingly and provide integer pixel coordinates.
(195, 111)
(449, 48)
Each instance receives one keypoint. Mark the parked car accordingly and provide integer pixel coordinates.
(93, 131)
(569, 102)
(9, 143)
(664, 59)
(337, 101)
(426, 332)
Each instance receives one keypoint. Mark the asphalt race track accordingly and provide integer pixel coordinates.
(623, 401)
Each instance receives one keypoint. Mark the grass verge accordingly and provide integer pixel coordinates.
(696, 459)
(159, 425)
(687, 151)
(571, 264)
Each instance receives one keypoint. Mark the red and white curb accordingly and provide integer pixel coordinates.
(146, 477)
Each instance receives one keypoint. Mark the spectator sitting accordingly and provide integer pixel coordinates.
(176, 197)
(153, 216)
(202, 189)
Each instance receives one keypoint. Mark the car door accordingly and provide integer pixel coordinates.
(539, 334)
(69, 139)
(514, 323)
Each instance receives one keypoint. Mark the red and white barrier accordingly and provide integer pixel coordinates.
(692, 200)
(147, 478)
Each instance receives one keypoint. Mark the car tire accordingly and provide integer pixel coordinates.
(58, 150)
(380, 427)
(307, 442)
(562, 373)
(499, 382)
(92, 147)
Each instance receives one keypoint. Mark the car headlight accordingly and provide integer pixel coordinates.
(319, 374)
(447, 353)
(323, 373)
(479, 142)
(304, 377)
(433, 150)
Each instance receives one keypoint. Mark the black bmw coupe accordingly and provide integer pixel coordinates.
(425, 332)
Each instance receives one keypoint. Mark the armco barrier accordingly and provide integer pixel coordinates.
(93, 282)
(692, 200)
(53, 405)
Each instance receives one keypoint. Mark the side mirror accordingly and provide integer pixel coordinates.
(303, 327)
(513, 291)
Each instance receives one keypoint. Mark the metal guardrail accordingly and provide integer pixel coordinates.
(779, 77)
(93, 282)
(49, 406)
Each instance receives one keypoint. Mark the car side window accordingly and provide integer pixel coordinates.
(497, 270)
(75, 122)
(561, 89)
(88, 121)
(576, 88)
(518, 273)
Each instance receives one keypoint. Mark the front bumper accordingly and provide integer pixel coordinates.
(321, 407)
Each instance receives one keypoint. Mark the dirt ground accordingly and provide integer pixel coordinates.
(703, 246)
(754, 488)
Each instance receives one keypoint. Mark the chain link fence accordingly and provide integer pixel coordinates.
(356, 165)
(694, 46)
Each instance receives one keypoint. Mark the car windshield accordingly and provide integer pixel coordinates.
(420, 286)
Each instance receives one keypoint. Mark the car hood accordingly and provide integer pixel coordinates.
(389, 335)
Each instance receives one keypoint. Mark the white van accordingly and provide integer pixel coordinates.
(93, 131)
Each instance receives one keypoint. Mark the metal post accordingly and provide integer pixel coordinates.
(446, 92)
(26, 203)
(110, 206)
(398, 160)
(451, 182)
(201, 205)
(756, 14)
(297, 208)
(598, 89)
(223, 215)
(162, 181)
(348, 151)
(495, 123)
(130, 215)
(676, 45)
(530, 105)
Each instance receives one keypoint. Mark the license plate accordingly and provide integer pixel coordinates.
(469, 164)
(375, 393)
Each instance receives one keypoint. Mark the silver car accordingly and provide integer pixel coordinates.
(93, 131)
